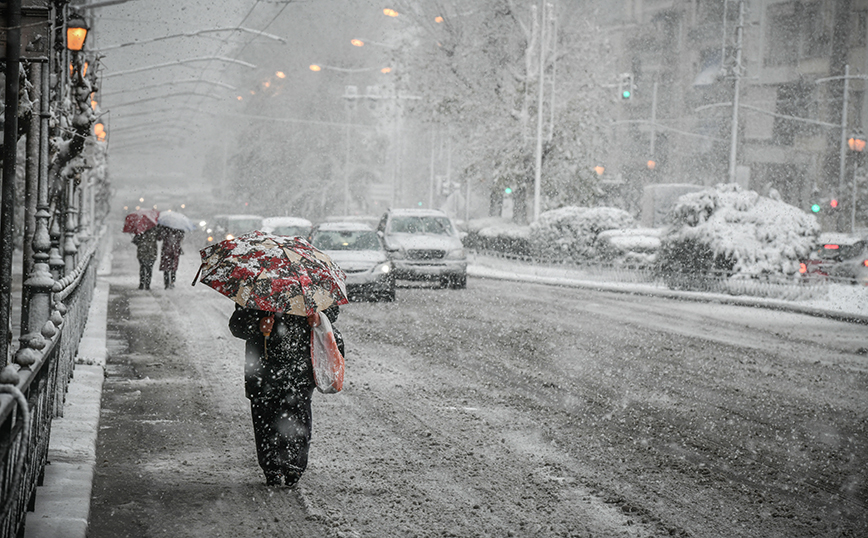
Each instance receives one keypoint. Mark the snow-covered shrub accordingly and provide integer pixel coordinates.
(499, 235)
(735, 231)
(570, 233)
(636, 247)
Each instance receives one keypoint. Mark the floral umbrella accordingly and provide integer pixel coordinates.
(140, 220)
(274, 273)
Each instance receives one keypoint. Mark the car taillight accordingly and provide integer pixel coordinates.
(803, 268)
(831, 247)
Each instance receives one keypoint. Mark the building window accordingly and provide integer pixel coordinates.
(795, 100)
(796, 30)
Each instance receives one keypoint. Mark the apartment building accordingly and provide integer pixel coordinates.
(787, 59)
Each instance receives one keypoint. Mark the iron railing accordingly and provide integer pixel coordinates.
(25, 429)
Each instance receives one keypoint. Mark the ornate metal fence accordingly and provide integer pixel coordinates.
(32, 394)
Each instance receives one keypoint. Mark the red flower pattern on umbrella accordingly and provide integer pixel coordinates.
(273, 273)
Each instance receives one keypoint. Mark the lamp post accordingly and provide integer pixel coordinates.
(856, 142)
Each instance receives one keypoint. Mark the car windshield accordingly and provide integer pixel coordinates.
(239, 226)
(421, 225)
(346, 240)
(294, 231)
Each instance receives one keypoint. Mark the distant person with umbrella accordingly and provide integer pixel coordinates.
(143, 224)
(172, 250)
(172, 228)
(281, 286)
(146, 252)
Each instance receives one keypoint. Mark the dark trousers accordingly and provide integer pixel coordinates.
(169, 279)
(282, 428)
(146, 270)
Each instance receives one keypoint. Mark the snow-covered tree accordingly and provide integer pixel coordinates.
(477, 68)
(736, 231)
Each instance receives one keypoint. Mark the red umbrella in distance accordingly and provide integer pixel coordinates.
(140, 220)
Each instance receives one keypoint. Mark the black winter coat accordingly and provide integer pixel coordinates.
(282, 362)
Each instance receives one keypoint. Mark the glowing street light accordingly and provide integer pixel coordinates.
(357, 42)
(390, 12)
(76, 32)
(317, 68)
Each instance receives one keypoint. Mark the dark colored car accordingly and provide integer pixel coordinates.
(839, 258)
(358, 251)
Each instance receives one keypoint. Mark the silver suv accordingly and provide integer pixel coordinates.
(425, 245)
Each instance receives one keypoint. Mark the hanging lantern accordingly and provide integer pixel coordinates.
(76, 32)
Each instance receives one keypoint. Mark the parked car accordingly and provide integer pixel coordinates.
(358, 250)
(231, 226)
(425, 245)
(839, 257)
(292, 226)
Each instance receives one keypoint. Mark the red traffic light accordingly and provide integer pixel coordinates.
(833, 202)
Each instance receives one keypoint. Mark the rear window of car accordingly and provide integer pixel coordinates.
(838, 252)
(421, 225)
(295, 231)
(345, 240)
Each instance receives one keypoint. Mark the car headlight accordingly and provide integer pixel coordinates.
(383, 269)
(457, 254)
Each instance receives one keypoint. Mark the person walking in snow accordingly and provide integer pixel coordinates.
(172, 250)
(146, 252)
(279, 382)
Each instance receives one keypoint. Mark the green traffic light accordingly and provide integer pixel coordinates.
(626, 94)
(507, 190)
(815, 208)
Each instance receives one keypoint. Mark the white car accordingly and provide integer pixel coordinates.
(358, 251)
(231, 226)
(291, 226)
(425, 245)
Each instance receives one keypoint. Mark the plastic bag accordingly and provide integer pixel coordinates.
(328, 363)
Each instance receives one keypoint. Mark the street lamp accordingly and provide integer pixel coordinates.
(856, 142)
(76, 32)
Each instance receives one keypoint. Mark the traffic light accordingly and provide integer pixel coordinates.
(833, 203)
(625, 86)
(507, 190)
(815, 208)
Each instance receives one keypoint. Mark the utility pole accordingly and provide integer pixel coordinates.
(842, 157)
(653, 119)
(733, 147)
(539, 116)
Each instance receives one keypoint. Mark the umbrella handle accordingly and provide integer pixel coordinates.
(195, 278)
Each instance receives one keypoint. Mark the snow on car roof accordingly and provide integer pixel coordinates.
(418, 212)
(285, 221)
(838, 238)
(344, 226)
(238, 217)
